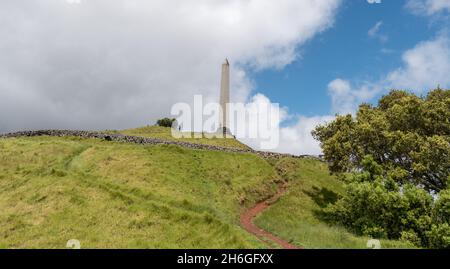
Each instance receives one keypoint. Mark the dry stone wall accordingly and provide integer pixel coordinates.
(145, 141)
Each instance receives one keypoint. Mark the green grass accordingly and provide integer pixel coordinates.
(165, 134)
(116, 195)
(296, 216)
(119, 195)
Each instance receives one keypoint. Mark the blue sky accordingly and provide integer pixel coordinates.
(346, 51)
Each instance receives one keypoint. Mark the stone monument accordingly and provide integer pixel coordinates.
(225, 98)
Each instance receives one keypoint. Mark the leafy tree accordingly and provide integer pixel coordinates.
(441, 212)
(165, 122)
(409, 136)
(375, 206)
(439, 235)
(398, 156)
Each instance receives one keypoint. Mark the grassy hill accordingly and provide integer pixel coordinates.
(118, 195)
(164, 133)
(296, 217)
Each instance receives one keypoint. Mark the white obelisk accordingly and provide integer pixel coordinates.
(224, 97)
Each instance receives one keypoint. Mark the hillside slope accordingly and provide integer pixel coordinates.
(119, 195)
(297, 217)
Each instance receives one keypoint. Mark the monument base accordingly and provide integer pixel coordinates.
(225, 132)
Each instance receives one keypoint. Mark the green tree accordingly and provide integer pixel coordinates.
(441, 212)
(439, 235)
(407, 135)
(165, 122)
(374, 205)
(395, 159)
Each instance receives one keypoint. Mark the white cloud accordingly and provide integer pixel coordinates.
(425, 66)
(259, 128)
(295, 138)
(73, 1)
(342, 96)
(118, 64)
(428, 7)
(374, 32)
(345, 99)
(375, 29)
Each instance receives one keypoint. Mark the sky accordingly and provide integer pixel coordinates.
(102, 64)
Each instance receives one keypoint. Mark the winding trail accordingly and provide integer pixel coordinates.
(249, 215)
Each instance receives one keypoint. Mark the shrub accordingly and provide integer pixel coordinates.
(375, 206)
(411, 237)
(439, 236)
(441, 212)
(166, 122)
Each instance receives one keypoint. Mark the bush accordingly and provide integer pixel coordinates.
(411, 237)
(439, 236)
(375, 206)
(166, 122)
(441, 212)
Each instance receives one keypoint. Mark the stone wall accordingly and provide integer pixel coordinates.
(145, 141)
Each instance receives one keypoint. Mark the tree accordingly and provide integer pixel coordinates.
(165, 122)
(398, 156)
(409, 136)
(439, 235)
(374, 205)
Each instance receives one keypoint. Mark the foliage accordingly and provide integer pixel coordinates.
(439, 236)
(375, 205)
(165, 122)
(399, 153)
(441, 211)
(409, 136)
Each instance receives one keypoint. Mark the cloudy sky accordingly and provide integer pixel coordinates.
(115, 64)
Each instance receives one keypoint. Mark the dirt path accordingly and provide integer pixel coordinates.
(247, 222)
